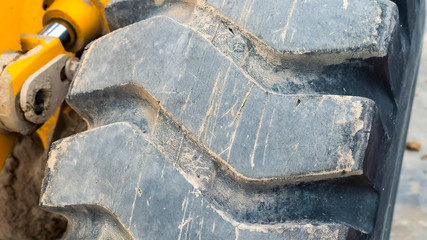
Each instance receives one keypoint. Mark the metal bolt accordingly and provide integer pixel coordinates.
(71, 66)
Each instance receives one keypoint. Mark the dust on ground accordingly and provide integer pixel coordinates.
(20, 185)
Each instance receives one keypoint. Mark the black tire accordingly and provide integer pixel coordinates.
(254, 119)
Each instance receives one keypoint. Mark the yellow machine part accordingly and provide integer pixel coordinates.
(19, 72)
(6, 144)
(17, 17)
(85, 19)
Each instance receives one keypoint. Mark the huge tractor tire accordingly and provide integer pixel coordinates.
(229, 119)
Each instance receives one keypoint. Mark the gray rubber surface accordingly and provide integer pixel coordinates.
(410, 213)
(232, 119)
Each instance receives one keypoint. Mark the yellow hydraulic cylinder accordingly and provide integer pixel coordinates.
(85, 19)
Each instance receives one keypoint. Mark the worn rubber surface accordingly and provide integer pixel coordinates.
(239, 119)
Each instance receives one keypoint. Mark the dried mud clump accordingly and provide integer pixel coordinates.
(413, 146)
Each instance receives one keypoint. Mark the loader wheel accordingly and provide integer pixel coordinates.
(228, 119)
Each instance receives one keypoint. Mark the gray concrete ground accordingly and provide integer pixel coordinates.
(410, 214)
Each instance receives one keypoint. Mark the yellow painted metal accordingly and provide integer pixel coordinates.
(23, 68)
(6, 144)
(17, 17)
(41, 50)
(31, 16)
(45, 132)
(86, 17)
(9, 26)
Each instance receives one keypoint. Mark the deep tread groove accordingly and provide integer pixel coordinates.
(382, 70)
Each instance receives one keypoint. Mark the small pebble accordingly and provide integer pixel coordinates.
(413, 146)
